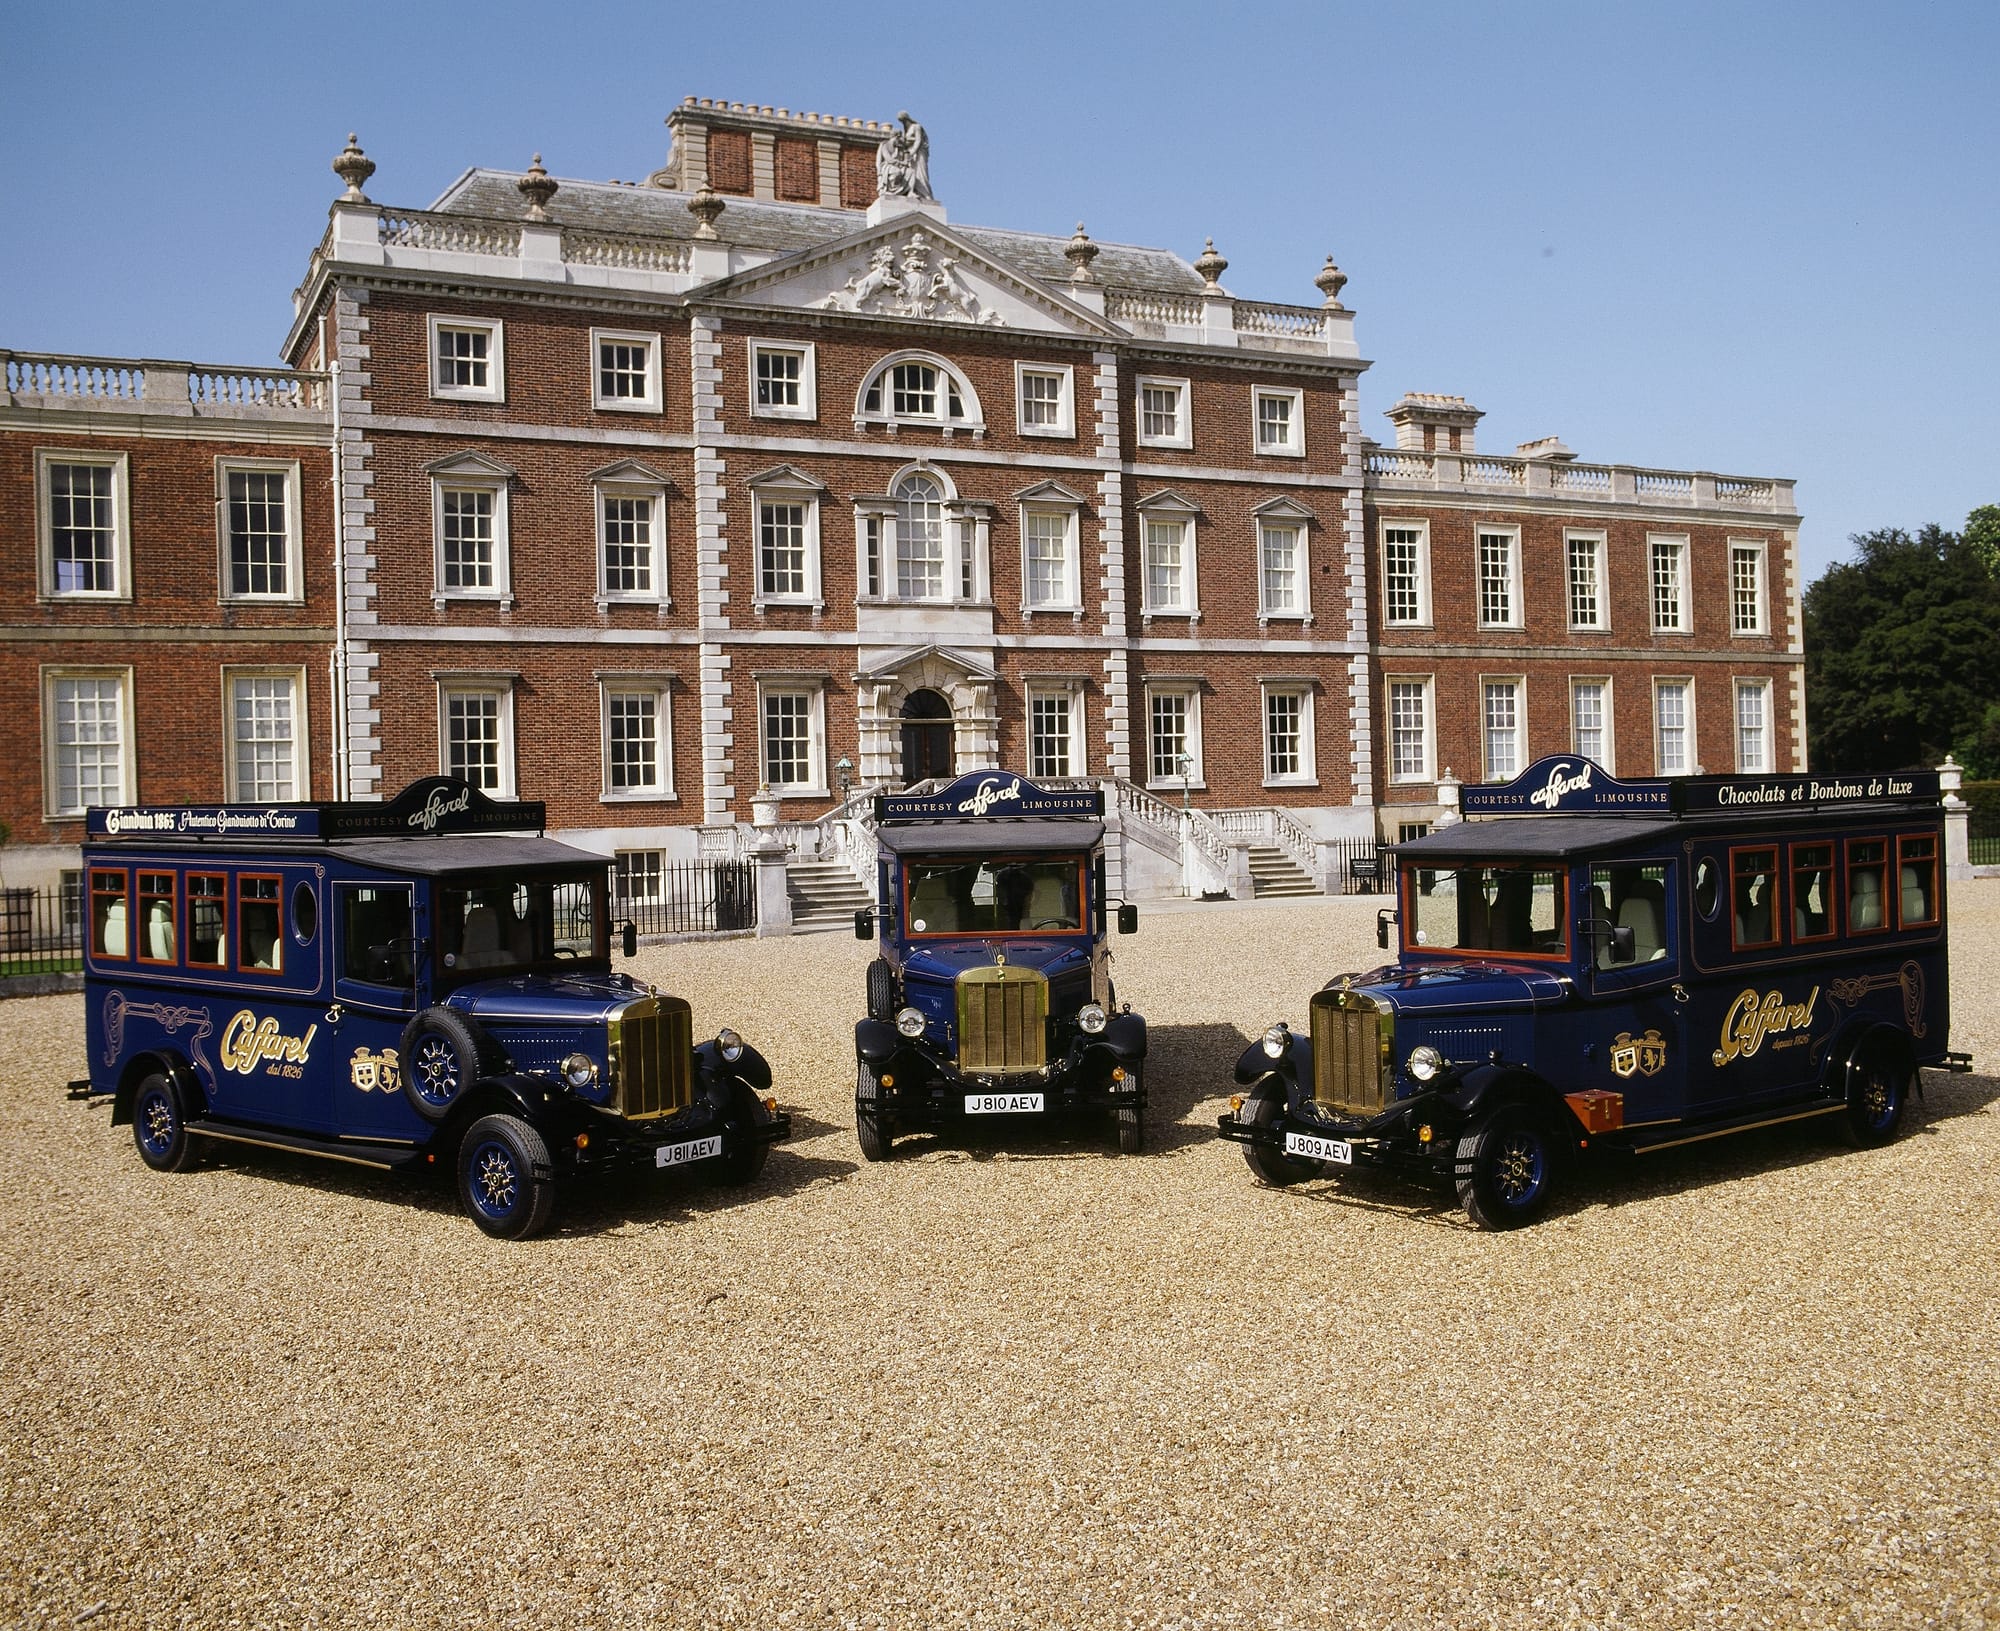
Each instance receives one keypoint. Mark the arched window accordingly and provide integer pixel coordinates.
(920, 537)
(916, 388)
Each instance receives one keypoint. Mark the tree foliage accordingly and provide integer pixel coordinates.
(1903, 650)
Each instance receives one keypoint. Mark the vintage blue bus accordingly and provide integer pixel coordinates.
(395, 984)
(1587, 964)
(992, 994)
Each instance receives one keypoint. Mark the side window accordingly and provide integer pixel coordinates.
(1753, 890)
(1812, 892)
(1867, 861)
(156, 917)
(259, 947)
(208, 918)
(110, 927)
(375, 941)
(1916, 881)
(1707, 888)
(1635, 898)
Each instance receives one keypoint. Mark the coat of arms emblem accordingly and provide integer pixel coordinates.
(1638, 1056)
(375, 1072)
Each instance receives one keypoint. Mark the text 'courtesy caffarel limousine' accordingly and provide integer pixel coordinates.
(1587, 965)
(396, 984)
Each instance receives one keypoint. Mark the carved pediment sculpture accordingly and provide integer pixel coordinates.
(903, 162)
(909, 285)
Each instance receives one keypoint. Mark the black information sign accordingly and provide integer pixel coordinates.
(987, 793)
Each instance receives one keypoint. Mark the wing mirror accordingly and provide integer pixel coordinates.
(1610, 943)
(628, 938)
(1383, 919)
(864, 924)
(1128, 918)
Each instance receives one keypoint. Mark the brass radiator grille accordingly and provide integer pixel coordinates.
(1002, 1020)
(652, 1058)
(1352, 1042)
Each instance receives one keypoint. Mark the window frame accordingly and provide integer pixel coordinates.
(123, 894)
(787, 486)
(1427, 685)
(301, 732)
(227, 465)
(140, 897)
(1680, 543)
(1307, 775)
(1890, 908)
(1518, 684)
(1609, 761)
(658, 871)
(1686, 684)
(1284, 514)
(1741, 685)
(1065, 375)
(660, 688)
(472, 473)
(1599, 545)
(814, 689)
(1183, 433)
(624, 481)
(1759, 550)
(808, 354)
(1510, 535)
(1294, 447)
(654, 400)
(221, 899)
(1071, 690)
(1792, 866)
(238, 939)
(1190, 690)
(972, 418)
(120, 466)
(499, 686)
(1937, 904)
(52, 674)
(495, 390)
(1163, 507)
(1071, 603)
(1779, 875)
(1423, 574)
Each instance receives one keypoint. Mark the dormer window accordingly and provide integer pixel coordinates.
(916, 389)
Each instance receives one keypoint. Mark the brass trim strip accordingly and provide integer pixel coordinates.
(1745, 1127)
(198, 1131)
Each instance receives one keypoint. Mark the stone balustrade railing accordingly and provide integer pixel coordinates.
(1288, 322)
(624, 251)
(462, 234)
(48, 380)
(1403, 469)
(1144, 306)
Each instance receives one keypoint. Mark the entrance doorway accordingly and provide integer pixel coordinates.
(926, 737)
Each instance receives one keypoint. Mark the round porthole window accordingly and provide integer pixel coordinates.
(1707, 887)
(305, 914)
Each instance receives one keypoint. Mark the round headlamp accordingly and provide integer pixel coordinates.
(1276, 1040)
(1091, 1017)
(1424, 1062)
(730, 1043)
(909, 1022)
(579, 1071)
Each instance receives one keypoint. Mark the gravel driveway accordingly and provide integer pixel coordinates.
(1754, 1383)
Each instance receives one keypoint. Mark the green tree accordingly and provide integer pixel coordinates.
(1982, 532)
(1902, 650)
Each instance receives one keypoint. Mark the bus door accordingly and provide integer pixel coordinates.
(375, 993)
(1638, 1026)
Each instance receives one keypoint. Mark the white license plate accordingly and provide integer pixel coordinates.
(679, 1155)
(1003, 1104)
(1320, 1149)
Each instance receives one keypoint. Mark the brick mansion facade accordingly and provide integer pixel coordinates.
(764, 480)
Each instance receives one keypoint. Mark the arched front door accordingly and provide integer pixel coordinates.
(926, 737)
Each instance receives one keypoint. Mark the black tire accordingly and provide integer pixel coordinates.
(499, 1163)
(159, 1125)
(881, 991)
(1131, 1118)
(1506, 1169)
(743, 1163)
(871, 1125)
(1878, 1095)
(441, 1054)
(1265, 1104)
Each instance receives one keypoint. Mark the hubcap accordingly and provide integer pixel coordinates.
(1878, 1100)
(157, 1117)
(437, 1071)
(495, 1180)
(1517, 1171)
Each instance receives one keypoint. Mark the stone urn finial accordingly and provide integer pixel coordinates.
(705, 206)
(1330, 282)
(537, 187)
(1211, 266)
(353, 167)
(1080, 252)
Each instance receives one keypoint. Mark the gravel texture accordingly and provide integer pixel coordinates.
(1748, 1384)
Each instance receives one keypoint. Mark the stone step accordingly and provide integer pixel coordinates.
(1274, 873)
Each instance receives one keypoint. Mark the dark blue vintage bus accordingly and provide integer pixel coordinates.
(992, 993)
(395, 984)
(1586, 964)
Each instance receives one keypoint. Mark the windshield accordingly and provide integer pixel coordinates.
(1043, 895)
(491, 929)
(1517, 910)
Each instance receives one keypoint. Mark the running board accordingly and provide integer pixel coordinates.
(333, 1149)
(1724, 1129)
(1959, 1064)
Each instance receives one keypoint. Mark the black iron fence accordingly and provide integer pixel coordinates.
(1359, 867)
(690, 897)
(41, 931)
(1983, 835)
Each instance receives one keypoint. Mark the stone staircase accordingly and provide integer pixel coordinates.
(1274, 873)
(824, 895)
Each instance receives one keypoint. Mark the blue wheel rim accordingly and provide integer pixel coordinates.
(436, 1075)
(158, 1125)
(1879, 1101)
(1520, 1168)
(494, 1181)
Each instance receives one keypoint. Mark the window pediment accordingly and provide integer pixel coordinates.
(788, 477)
(1167, 502)
(475, 466)
(629, 471)
(1050, 492)
(1283, 509)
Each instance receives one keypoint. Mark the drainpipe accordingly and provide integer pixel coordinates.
(339, 679)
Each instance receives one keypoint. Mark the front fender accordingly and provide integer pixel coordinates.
(750, 1067)
(876, 1040)
(1293, 1066)
(1485, 1088)
(1125, 1036)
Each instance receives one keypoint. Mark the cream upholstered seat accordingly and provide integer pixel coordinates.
(1049, 906)
(1916, 899)
(114, 944)
(1643, 911)
(931, 905)
(480, 945)
(1864, 900)
(160, 932)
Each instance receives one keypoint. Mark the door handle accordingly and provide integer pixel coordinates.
(1680, 994)
(335, 1014)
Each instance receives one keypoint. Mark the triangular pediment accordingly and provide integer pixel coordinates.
(900, 662)
(1050, 492)
(1283, 509)
(630, 470)
(788, 476)
(909, 267)
(1168, 500)
(472, 464)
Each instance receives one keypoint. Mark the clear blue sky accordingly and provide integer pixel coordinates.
(1759, 239)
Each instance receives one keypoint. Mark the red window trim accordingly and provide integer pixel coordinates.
(173, 900)
(124, 876)
(187, 950)
(1779, 895)
(1406, 891)
(1832, 889)
(1937, 905)
(1083, 900)
(1847, 879)
(277, 941)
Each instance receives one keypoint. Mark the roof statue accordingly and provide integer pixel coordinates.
(903, 162)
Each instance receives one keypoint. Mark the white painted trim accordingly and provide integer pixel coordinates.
(973, 423)
(1761, 548)
(128, 743)
(225, 466)
(1519, 684)
(807, 498)
(1683, 608)
(1196, 780)
(1073, 691)
(1295, 447)
(1516, 616)
(1609, 758)
(808, 354)
(1599, 539)
(500, 487)
(1183, 413)
(1687, 681)
(1065, 373)
(815, 743)
(1308, 771)
(301, 732)
(1181, 514)
(120, 466)
(1737, 686)
(661, 691)
(1390, 775)
(1070, 515)
(654, 492)
(1422, 529)
(449, 686)
(1302, 613)
(653, 401)
(495, 388)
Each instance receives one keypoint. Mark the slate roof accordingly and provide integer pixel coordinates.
(786, 229)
